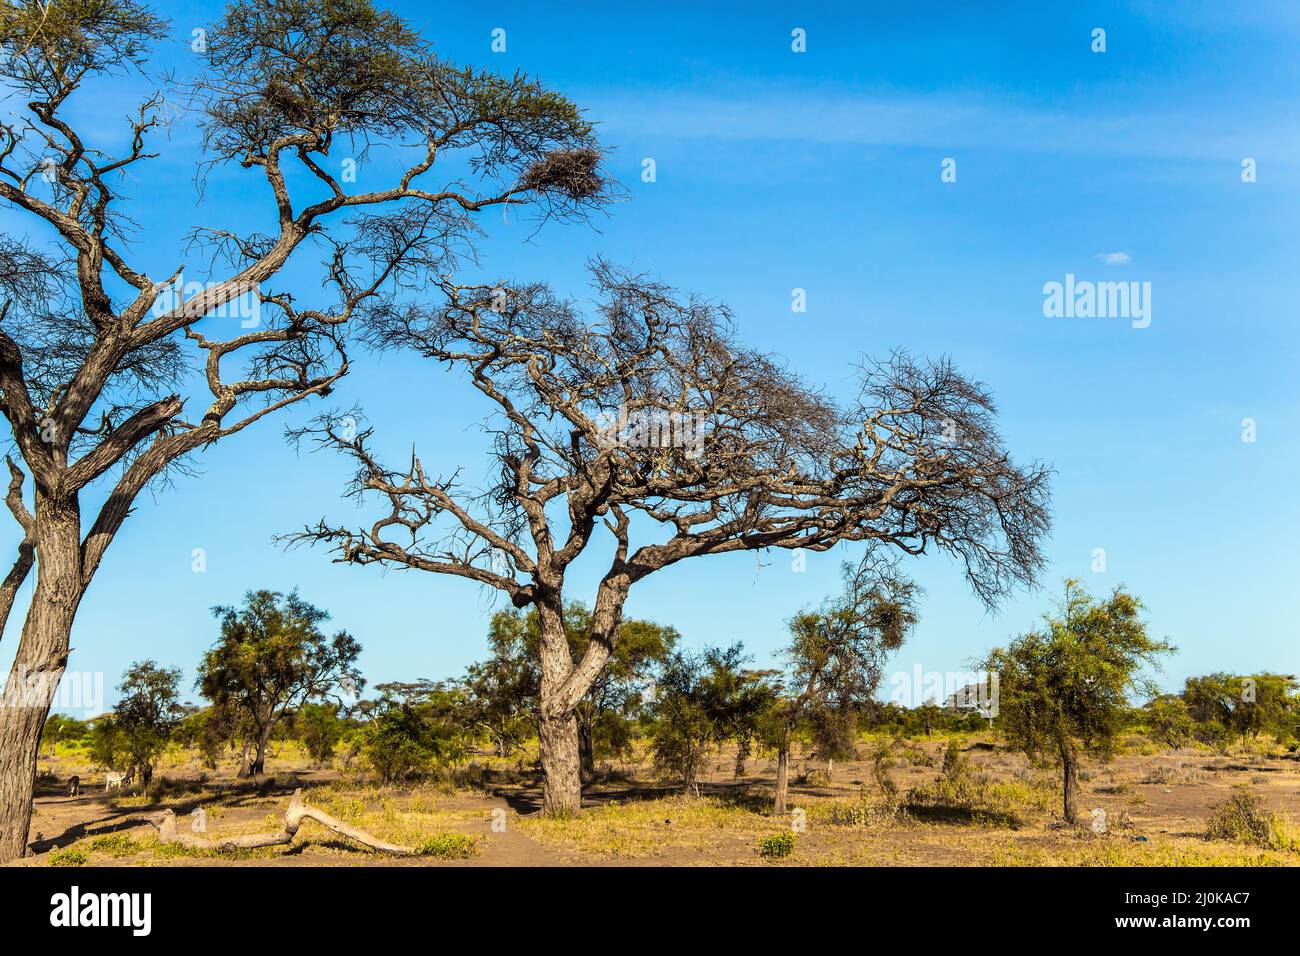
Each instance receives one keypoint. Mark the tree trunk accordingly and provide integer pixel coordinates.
(557, 731)
(258, 766)
(562, 784)
(39, 663)
(782, 781)
(565, 684)
(245, 762)
(586, 752)
(1070, 781)
(742, 755)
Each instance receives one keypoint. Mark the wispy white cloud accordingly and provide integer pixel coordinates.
(903, 119)
(1115, 258)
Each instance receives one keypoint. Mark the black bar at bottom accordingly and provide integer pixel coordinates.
(335, 905)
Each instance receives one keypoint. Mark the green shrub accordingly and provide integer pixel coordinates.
(403, 739)
(776, 846)
(320, 727)
(449, 846)
(916, 755)
(68, 856)
(396, 743)
(1245, 818)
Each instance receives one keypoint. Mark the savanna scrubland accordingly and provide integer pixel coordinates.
(689, 757)
(1004, 812)
(639, 430)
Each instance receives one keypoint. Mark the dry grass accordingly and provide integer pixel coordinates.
(646, 828)
(979, 805)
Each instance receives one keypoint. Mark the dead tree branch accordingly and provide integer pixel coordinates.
(294, 814)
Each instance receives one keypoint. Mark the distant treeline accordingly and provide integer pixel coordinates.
(273, 676)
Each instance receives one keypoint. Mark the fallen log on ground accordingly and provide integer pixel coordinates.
(294, 814)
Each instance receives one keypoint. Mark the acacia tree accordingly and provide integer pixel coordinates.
(414, 724)
(701, 698)
(1168, 720)
(837, 656)
(1063, 691)
(1242, 704)
(649, 419)
(96, 355)
(320, 726)
(270, 658)
(142, 721)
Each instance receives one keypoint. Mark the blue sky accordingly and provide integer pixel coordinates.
(821, 170)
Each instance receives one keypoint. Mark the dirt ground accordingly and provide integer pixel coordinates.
(1156, 805)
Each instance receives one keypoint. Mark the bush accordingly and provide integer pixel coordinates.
(68, 856)
(320, 728)
(955, 765)
(407, 736)
(396, 742)
(960, 795)
(882, 761)
(1245, 818)
(777, 846)
(449, 846)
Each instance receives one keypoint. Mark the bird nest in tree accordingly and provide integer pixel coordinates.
(571, 172)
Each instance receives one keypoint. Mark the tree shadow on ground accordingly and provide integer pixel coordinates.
(747, 794)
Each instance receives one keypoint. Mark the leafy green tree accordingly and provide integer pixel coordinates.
(929, 716)
(888, 716)
(1168, 720)
(1244, 704)
(271, 656)
(1063, 690)
(1268, 701)
(412, 727)
(836, 658)
(60, 728)
(736, 699)
(701, 699)
(502, 691)
(396, 741)
(1212, 697)
(142, 721)
(687, 715)
(320, 727)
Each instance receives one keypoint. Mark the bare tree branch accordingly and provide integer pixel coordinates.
(651, 421)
